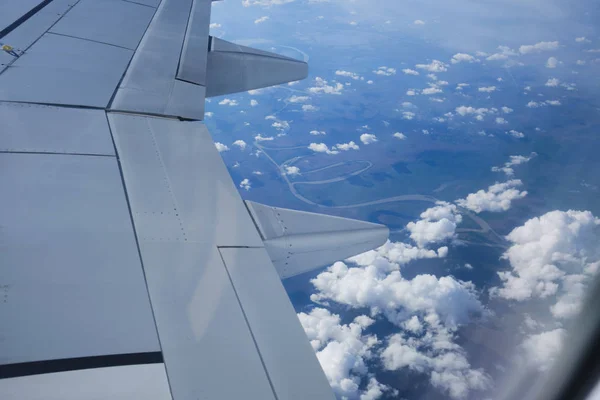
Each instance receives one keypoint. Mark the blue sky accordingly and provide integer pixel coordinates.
(470, 128)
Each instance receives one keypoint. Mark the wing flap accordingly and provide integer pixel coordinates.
(289, 359)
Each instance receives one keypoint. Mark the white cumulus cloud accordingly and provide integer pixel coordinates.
(228, 102)
(553, 256)
(496, 198)
(322, 148)
(538, 47)
(399, 135)
(385, 71)
(221, 147)
(431, 90)
(322, 86)
(487, 89)
(261, 20)
(347, 146)
(261, 138)
(292, 170)
(298, 99)
(434, 66)
(437, 224)
(253, 103)
(552, 82)
(409, 71)
(368, 138)
(434, 307)
(309, 108)
(552, 62)
(246, 184)
(462, 57)
(240, 143)
(508, 169)
(348, 74)
(342, 350)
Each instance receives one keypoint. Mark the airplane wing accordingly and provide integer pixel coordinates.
(130, 267)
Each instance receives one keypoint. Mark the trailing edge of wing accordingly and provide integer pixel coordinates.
(299, 241)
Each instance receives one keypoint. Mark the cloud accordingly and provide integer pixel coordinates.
(385, 71)
(411, 92)
(487, 89)
(255, 92)
(507, 110)
(214, 25)
(437, 224)
(321, 148)
(408, 115)
(240, 143)
(552, 82)
(552, 256)
(209, 114)
(504, 53)
(281, 125)
(348, 74)
(538, 47)
(553, 102)
(347, 146)
(292, 170)
(309, 108)
(257, 173)
(427, 311)
(246, 184)
(431, 90)
(501, 121)
(534, 104)
(253, 103)
(479, 113)
(496, 198)
(261, 138)
(514, 160)
(228, 102)
(399, 135)
(461, 86)
(221, 147)
(322, 86)
(552, 62)
(462, 57)
(516, 134)
(368, 138)
(342, 349)
(315, 133)
(298, 99)
(540, 350)
(369, 82)
(419, 22)
(409, 71)
(261, 20)
(434, 66)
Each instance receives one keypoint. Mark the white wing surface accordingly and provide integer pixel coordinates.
(130, 267)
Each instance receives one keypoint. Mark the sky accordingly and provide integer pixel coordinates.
(470, 129)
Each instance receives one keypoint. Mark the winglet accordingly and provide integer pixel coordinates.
(232, 68)
(299, 241)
